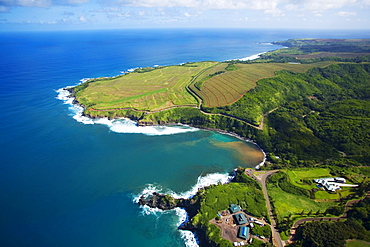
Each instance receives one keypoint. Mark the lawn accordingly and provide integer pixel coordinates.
(289, 204)
(298, 176)
(304, 179)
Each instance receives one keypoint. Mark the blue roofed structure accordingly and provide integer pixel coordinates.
(240, 219)
(243, 232)
(234, 208)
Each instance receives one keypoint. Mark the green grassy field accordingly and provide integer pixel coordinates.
(357, 243)
(153, 90)
(298, 176)
(288, 204)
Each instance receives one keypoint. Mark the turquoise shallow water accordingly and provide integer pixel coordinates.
(66, 183)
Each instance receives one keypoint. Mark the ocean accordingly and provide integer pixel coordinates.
(70, 181)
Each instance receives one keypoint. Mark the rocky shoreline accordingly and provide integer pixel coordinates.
(191, 206)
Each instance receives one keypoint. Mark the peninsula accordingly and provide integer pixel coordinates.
(306, 105)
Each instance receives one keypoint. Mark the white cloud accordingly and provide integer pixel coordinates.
(319, 5)
(186, 14)
(106, 10)
(40, 3)
(83, 19)
(346, 13)
(203, 4)
(274, 12)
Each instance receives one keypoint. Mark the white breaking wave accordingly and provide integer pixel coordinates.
(187, 236)
(203, 181)
(122, 125)
(252, 57)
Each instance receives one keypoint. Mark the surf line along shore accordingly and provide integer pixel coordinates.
(192, 205)
(156, 200)
(126, 125)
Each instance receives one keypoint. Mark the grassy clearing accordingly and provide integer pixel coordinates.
(153, 89)
(304, 179)
(288, 204)
(300, 178)
(357, 243)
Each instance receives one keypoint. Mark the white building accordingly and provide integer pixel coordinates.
(333, 184)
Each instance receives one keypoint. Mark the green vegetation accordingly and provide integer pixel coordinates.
(292, 201)
(356, 226)
(303, 178)
(217, 198)
(304, 113)
(357, 243)
(229, 87)
(306, 106)
(262, 231)
(294, 196)
(314, 50)
(231, 67)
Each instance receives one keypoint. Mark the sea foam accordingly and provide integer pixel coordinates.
(252, 57)
(203, 181)
(121, 125)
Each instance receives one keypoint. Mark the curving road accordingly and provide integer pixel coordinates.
(343, 216)
(277, 241)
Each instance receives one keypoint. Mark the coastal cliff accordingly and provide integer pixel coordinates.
(201, 208)
(191, 206)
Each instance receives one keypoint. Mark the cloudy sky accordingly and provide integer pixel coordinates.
(113, 14)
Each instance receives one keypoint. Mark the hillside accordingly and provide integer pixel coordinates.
(303, 112)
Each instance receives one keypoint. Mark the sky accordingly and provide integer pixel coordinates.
(122, 14)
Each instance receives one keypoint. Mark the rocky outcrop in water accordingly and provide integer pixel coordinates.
(167, 202)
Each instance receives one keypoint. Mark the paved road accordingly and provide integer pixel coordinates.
(275, 233)
(347, 207)
(261, 177)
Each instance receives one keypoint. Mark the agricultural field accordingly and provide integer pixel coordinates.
(154, 89)
(228, 87)
(145, 89)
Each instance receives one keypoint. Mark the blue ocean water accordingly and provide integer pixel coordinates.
(66, 183)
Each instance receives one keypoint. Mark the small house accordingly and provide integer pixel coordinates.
(234, 208)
